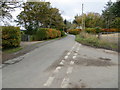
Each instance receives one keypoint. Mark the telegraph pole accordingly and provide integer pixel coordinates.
(82, 18)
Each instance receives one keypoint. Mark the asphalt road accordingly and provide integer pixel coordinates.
(63, 64)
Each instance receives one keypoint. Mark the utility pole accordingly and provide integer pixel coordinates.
(82, 18)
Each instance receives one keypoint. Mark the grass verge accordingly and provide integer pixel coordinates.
(92, 40)
(12, 50)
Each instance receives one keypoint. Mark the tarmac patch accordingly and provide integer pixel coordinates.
(93, 62)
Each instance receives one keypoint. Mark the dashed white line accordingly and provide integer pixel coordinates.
(80, 44)
(75, 54)
(65, 57)
(78, 49)
(49, 81)
(65, 83)
(69, 70)
(57, 69)
(72, 62)
(62, 62)
(68, 53)
(74, 57)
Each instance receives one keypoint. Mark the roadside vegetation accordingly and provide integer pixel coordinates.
(92, 40)
(41, 21)
(96, 25)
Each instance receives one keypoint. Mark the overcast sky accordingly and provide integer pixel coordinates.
(70, 8)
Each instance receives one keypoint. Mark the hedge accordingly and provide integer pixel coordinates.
(74, 31)
(46, 33)
(11, 36)
(98, 30)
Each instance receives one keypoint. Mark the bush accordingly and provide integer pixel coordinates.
(110, 30)
(74, 31)
(62, 33)
(46, 33)
(11, 36)
(93, 30)
(98, 30)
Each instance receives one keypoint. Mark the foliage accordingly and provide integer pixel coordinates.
(67, 25)
(93, 30)
(92, 40)
(11, 36)
(110, 30)
(62, 33)
(111, 15)
(46, 33)
(6, 8)
(116, 23)
(98, 30)
(39, 15)
(91, 20)
(74, 31)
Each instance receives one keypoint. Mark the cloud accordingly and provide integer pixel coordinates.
(74, 7)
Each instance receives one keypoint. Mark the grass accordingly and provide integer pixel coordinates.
(92, 40)
(12, 50)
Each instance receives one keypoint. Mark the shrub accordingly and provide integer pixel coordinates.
(41, 34)
(74, 31)
(46, 33)
(62, 33)
(11, 36)
(98, 30)
(110, 30)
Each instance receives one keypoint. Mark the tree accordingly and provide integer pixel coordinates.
(111, 14)
(91, 20)
(115, 9)
(67, 25)
(56, 21)
(116, 23)
(39, 14)
(5, 9)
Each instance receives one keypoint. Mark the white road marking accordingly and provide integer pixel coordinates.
(57, 69)
(68, 53)
(49, 81)
(72, 62)
(74, 57)
(69, 70)
(75, 54)
(78, 49)
(65, 83)
(65, 57)
(61, 63)
(80, 44)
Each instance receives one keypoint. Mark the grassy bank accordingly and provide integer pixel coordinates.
(92, 40)
(12, 50)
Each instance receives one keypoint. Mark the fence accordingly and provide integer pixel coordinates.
(25, 37)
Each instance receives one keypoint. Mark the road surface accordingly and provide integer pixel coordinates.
(63, 64)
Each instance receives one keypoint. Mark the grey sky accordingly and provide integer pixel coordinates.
(70, 8)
